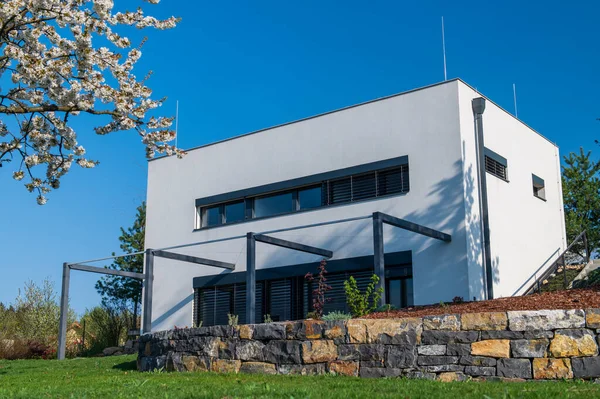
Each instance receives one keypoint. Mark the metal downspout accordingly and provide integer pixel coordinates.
(478, 105)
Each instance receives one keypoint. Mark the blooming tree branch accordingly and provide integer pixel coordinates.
(55, 72)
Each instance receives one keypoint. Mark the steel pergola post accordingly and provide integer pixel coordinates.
(250, 278)
(379, 254)
(64, 311)
(148, 288)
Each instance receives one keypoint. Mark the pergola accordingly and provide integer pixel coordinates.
(379, 219)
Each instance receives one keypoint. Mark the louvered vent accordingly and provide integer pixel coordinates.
(495, 168)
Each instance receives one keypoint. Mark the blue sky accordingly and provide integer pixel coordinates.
(240, 66)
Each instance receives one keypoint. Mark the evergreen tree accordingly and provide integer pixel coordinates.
(581, 194)
(123, 293)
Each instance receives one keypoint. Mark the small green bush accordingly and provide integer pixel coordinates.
(233, 319)
(591, 280)
(362, 303)
(267, 318)
(386, 308)
(335, 315)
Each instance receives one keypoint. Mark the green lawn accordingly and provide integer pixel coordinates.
(116, 377)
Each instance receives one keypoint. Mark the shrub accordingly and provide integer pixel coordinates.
(386, 308)
(232, 319)
(335, 315)
(267, 318)
(591, 280)
(26, 349)
(362, 303)
(458, 299)
(105, 326)
(319, 299)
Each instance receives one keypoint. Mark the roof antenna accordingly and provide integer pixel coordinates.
(176, 122)
(515, 98)
(444, 49)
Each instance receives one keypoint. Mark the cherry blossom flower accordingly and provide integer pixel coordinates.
(49, 51)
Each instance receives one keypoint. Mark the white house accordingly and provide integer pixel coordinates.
(413, 156)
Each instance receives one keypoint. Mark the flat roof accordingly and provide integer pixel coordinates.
(358, 105)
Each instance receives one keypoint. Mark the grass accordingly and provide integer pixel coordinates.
(116, 377)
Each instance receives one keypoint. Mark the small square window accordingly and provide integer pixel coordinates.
(539, 189)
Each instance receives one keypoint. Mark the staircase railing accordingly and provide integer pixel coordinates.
(558, 263)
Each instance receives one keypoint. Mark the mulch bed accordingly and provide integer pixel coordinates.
(569, 299)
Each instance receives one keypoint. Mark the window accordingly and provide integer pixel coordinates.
(340, 191)
(346, 189)
(393, 181)
(539, 189)
(496, 164)
(309, 198)
(235, 212)
(273, 205)
(400, 292)
(211, 216)
(291, 298)
(364, 186)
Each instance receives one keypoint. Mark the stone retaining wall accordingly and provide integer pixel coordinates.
(516, 345)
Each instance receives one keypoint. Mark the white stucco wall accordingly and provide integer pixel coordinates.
(526, 233)
(434, 128)
(423, 124)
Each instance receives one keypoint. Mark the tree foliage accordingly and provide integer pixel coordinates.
(63, 58)
(38, 312)
(581, 195)
(123, 293)
(105, 326)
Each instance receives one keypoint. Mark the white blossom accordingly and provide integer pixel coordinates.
(18, 175)
(48, 52)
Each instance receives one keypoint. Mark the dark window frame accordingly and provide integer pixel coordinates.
(539, 187)
(300, 291)
(328, 198)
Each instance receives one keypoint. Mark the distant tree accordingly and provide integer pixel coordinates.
(581, 194)
(63, 58)
(37, 312)
(122, 293)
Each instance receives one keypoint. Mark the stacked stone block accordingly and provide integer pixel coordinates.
(514, 345)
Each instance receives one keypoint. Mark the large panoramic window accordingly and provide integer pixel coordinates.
(341, 190)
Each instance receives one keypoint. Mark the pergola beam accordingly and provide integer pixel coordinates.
(194, 259)
(251, 239)
(103, 270)
(293, 245)
(379, 219)
(414, 227)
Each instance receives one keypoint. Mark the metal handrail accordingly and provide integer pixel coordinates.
(537, 286)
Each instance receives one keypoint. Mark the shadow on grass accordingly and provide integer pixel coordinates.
(126, 366)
